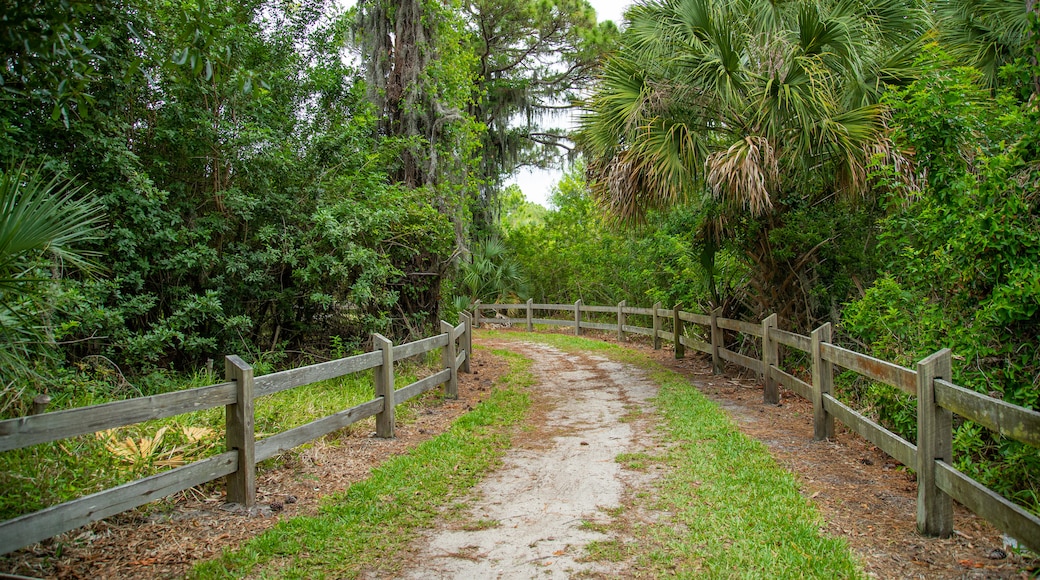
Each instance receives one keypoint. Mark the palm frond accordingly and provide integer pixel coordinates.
(742, 98)
(40, 215)
(986, 34)
(39, 218)
(745, 173)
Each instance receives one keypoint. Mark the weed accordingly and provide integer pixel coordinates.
(597, 527)
(605, 551)
(636, 461)
(481, 524)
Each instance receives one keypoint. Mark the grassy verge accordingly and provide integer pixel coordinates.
(732, 512)
(362, 528)
(43, 475)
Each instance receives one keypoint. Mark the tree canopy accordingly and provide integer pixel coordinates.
(760, 109)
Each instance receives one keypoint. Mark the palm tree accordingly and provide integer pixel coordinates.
(489, 274)
(43, 221)
(986, 34)
(748, 103)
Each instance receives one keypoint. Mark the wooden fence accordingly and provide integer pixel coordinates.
(237, 395)
(938, 399)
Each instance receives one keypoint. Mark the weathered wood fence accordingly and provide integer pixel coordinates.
(938, 482)
(237, 395)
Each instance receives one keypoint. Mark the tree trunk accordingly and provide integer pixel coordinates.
(409, 111)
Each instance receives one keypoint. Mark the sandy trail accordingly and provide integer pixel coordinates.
(526, 519)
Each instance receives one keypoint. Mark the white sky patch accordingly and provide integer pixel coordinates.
(537, 184)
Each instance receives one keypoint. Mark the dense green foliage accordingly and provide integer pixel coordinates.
(962, 262)
(575, 252)
(765, 112)
(262, 193)
(41, 221)
(245, 187)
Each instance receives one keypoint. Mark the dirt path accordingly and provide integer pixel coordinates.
(863, 494)
(526, 522)
(526, 519)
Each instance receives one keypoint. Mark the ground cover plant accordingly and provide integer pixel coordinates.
(365, 525)
(43, 475)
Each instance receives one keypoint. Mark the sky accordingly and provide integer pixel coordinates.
(537, 184)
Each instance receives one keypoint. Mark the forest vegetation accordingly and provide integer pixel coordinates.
(187, 179)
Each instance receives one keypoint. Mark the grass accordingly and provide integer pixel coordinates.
(362, 528)
(637, 461)
(48, 474)
(728, 510)
(481, 524)
(732, 512)
(607, 551)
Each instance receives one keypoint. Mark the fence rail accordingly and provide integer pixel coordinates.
(47, 427)
(938, 399)
(237, 396)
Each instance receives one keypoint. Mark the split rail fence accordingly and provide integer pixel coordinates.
(938, 398)
(237, 396)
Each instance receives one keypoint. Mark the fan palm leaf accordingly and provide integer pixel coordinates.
(986, 34)
(40, 218)
(753, 106)
(740, 99)
(40, 215)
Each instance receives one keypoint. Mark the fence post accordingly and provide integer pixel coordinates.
(577, 318)
(934, 443)
(621, 320)
(677, 330)
(770, 359)
(240, 435)
(385, 387)
(657, 326)
(476, 314)
(530, 315)
(467, 339)
(451, 388)
(716, 341)
(823, 383)
(39, 404)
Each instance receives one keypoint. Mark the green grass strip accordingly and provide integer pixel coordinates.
(362, 528)
(732, 511)
(43, 475)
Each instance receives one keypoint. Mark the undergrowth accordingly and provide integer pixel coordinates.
(42, 475)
